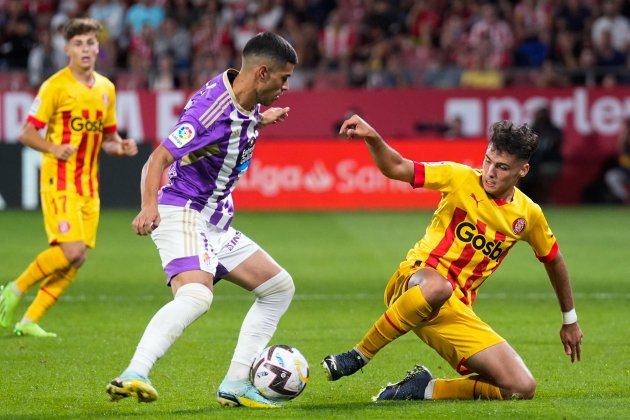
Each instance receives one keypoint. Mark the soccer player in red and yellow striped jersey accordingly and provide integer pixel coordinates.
(480, 217)
(78, 107)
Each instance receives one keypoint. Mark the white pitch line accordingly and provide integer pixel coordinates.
(340, 296)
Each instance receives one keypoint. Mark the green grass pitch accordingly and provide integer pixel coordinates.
(340, 263)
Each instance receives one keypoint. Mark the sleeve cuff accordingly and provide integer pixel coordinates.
(552, 254)
(418, 176)
(111, 129)
(37, 123)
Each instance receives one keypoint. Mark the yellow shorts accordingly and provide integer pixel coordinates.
(456, 333)
(69, 217)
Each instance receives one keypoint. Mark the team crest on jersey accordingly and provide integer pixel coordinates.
(106, 100)
(519, 226)
(182, 135)
(63, 226)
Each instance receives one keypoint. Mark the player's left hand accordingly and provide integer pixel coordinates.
(146, 221)
(128, 147)
(274, 115)
(571, 336)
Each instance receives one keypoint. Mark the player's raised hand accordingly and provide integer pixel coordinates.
(63, 151)
(274, 115)
(129, 147)
(146, 221)
(356, 126)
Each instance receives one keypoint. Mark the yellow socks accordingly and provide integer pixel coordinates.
(49, 292)
(470, 388)
(403, 315)
(45, 264)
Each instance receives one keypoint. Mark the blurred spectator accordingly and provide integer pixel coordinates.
(546, 162)
(573, 16)
(442, 72)
(608, 59)
(183, 12)
(111, 13)
(395, 74)
(357, 72)
(614, 23)
(174, 41)
(493, 37)
(291, 31)
(455, 128)
(44, 60)
(423, 23)
(113, 40)
(142, 13)
(141, 52)
(478, 74)
(586, 72)
(565, 50)
(244, 32)
(618, 178)
(164, 77)
(531, 52)
(16, 36)
(532, 17)
(379, 22)
(269, 14)
(208, 37)
(336, 42)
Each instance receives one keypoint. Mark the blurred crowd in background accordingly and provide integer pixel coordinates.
(166, 44)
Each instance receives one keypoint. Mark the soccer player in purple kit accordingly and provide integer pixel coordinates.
(190, 218)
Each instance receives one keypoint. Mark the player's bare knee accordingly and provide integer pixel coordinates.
(436, 290)
(75, 254)
(524, 389)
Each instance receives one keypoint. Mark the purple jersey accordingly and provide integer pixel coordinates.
(212, 143)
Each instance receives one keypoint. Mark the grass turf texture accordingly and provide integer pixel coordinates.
(340, 263)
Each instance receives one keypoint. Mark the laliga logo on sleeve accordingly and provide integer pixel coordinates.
(182, 135)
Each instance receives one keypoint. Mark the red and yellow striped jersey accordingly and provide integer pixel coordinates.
(75, 114)
(470, 232)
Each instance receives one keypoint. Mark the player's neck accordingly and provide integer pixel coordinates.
(506, 197)
(85, 76)
(244, 92)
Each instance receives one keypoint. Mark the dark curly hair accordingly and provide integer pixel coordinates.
(517, 140)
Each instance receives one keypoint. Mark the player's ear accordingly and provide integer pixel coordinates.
(524, 170)
(262, 73)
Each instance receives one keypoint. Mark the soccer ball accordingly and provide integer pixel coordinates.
(280, 373)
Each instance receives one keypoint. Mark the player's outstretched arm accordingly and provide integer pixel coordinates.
(114, 145)
(391, 163)
(570, 333)
(149, 218)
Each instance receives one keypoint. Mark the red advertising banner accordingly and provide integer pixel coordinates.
(340, 175)
(590, 119)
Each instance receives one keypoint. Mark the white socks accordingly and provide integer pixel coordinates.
(272, 300)
(191, 301)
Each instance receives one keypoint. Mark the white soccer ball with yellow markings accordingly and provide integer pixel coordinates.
(280, 372)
